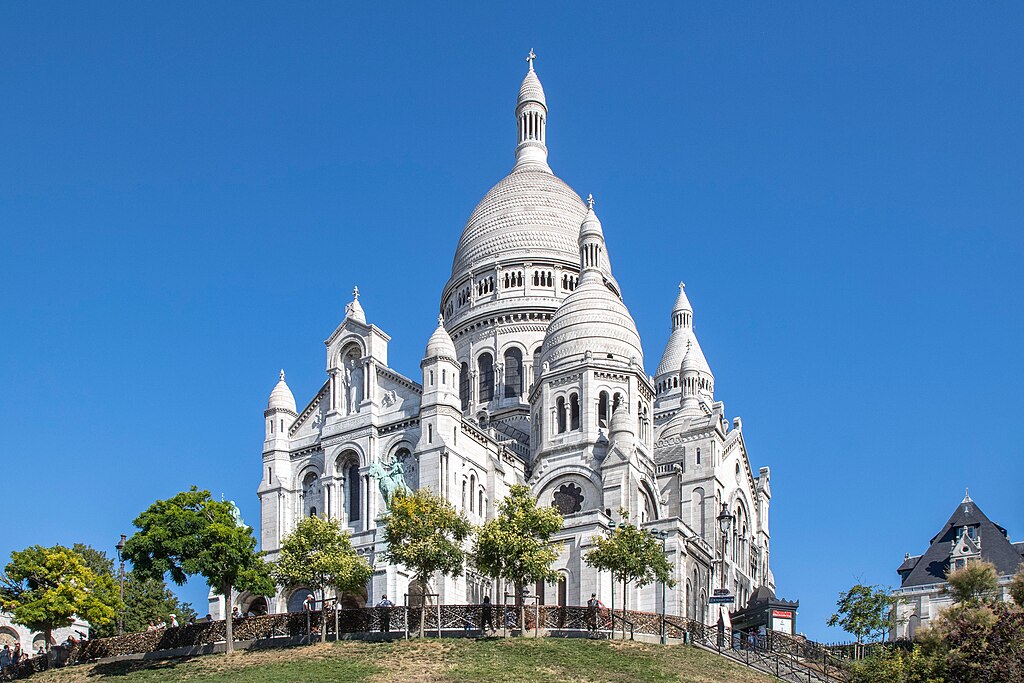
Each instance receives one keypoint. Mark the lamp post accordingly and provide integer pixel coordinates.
(663, 536)
(120, 588)
(724, 524)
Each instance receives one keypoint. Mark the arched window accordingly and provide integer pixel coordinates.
(574, 412)
(480, 502)
(463, 494)
(472, 490)
(602, 410)
(513, 373)
(312, 512)
(560, 409)
(464, 386)
(352, 480)
(485, 369)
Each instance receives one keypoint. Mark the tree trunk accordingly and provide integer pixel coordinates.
(229, 635)
(48, 635)
(520, 610)
(323, 615)
(423, 605)
(623, 607)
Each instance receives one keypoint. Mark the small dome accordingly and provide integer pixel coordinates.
(531, 90)
(281, 397)
(595, 320)
(621, 423)
(690, 362)
(440, 343)
(354, 310)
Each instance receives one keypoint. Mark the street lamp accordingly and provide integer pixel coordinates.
(724, 524)
(663, 536)
(120, 578)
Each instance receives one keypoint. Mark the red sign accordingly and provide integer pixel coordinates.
(782, 614)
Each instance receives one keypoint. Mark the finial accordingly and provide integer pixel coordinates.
(530, 57)
(355, 293)
(440, 320)
(682, 285)
(967, 496)
(590, 200)
(282, 374)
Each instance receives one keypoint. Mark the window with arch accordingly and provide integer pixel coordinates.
(480, 502)
(513, 373)
(602, 410)
(485, 371)
(464, 386)
(472, 490)
(568, 498)
(560, 417)
(574, 412)
(463, 494)
(354, 490)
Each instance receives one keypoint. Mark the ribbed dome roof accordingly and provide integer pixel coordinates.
(440, 343)
(281, 397)
(529, 212)
(592, 319)
(675, 351)
(531, 90)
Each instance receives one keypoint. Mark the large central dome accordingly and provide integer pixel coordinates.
(530, 212)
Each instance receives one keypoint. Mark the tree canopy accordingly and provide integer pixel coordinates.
(193, 534)
(973, 584)
(515, 545)
(319, 555)
(425, 533)
(866, 612)
(46, 588)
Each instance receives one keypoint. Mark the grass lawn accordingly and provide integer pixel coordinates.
(418, 661)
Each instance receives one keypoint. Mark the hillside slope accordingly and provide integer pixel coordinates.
(427, 661)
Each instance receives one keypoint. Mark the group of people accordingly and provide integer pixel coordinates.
(9, 657)
(161, 625)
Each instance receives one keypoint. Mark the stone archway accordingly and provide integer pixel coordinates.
(9, 637)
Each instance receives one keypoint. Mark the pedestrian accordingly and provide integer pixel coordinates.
(16, 655)
(486, 621)
(235, 614)
(174, 621)
(5, 658)
(384, 609)
(151, 627)
(594, 606)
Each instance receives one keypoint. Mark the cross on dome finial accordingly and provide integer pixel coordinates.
(530, 57)
(440, 320)
(282, 374)
(590, 200)
(355, 293)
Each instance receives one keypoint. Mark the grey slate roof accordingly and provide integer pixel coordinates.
(995, 548)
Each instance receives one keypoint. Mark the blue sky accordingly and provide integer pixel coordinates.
(188, 193)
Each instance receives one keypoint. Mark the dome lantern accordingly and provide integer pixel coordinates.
(531, 120)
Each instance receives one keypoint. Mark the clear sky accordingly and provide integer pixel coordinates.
(188, 193)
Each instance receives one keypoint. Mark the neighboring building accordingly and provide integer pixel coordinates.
(12, 632)
(968, 536)
(534, 374)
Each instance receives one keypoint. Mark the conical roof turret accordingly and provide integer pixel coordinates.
(532, 120)
(354, 310)
(440, 343)
(281, 397)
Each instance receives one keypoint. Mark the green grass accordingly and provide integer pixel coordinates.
(548, 660)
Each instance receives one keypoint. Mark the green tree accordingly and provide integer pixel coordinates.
(192, 534)
(515, 545)
(46, 588)
(145, 599)
(630, 554)
(867, 612)
(973, 584)
(1017, 586)
(318, 555)
(425, 533)
(894, 665)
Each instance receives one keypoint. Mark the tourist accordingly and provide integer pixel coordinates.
(594, 606)
(151, 627)
(486, 621)
(384, 608)
(174, 621)
(235, 614)
(5, 658)
(16, 655)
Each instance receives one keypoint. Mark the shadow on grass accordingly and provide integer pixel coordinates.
(123, 668)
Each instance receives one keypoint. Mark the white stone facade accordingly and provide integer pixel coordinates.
(12, 632)
(534, 375)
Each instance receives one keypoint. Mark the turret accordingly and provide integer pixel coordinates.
(280, 412)
(440, 407)
(532, 118)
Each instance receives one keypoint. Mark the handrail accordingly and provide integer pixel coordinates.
(625, 622)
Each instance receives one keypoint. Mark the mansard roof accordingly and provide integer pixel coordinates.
(931, 567)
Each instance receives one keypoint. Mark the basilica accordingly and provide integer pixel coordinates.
(534, 374)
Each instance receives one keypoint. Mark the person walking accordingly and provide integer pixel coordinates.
(486, 617)
(594, 606)
(16, 654)
(384, 608)
(5, 658)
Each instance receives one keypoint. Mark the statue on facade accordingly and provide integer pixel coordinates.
(391, 480)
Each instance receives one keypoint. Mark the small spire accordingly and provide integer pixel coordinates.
(282, 374)
(590, 200)
(355, 293)
(682, 285)
(530, 57)
(440, 320)
(967, 496)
